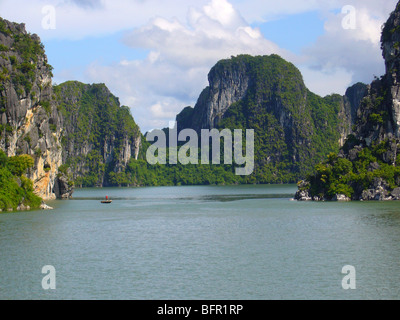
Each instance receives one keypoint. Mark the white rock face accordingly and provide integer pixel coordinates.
(341, 197)
(224, 91)
(391, 52)
(31, 117)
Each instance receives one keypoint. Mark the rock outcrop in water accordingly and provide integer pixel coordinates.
(294, 128)
(29, 120)
(368, 166)
(99, 136)
(74, 131)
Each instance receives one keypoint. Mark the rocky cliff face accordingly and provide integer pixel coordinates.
(367, 167)
(29, 120)
(348, 111)
(228, 83)
(378, 117)
(99, 136)
(391, 53)
(73, 131)
(266, 93)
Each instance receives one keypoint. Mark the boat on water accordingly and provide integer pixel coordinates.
(107, 200)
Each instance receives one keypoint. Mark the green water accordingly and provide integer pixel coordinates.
(209, 242)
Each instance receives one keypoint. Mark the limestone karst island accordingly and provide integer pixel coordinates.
(201, 150)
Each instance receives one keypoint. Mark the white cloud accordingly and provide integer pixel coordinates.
(155, 90)
(186, 38)
(162, 110)
(355, 50)
(77, 19)
(267, 10)
(182, 51)
(224, 13)
(326, 82)
(181, 55)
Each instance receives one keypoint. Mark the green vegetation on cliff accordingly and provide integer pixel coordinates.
(25, 86)
(100, 136)
(102, 145)
(15, 188)
(23, 51)
(339, 175)
(294, 128)
(367, 161)
(101, 140)
(368, 165)
(141, 173)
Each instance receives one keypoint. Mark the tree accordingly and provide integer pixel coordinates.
(19, 164)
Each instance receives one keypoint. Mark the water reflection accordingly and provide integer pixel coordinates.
(211, 198)
(228, 198)
(386, 216)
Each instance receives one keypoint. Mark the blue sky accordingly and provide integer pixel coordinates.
(72, 56)
(155, 55)
(293, 32)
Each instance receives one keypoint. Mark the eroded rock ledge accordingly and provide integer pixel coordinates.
(379, 191)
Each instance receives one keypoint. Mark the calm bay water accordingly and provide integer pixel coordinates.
(208, 242)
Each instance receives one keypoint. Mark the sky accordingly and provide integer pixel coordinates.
(155, 55)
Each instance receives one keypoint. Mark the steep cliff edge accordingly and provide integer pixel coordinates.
(229, 81)
(29, 120)
(368, 166)
(99, 136)
(74, 132)
(294, 128)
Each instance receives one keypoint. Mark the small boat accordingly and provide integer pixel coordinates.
(107, 200)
